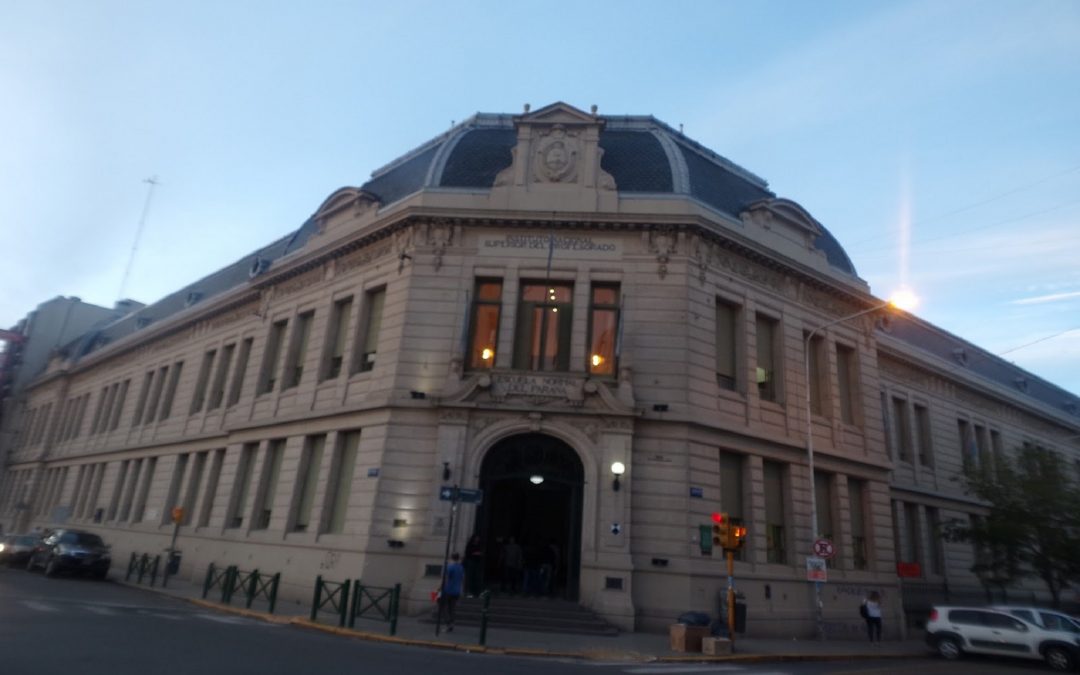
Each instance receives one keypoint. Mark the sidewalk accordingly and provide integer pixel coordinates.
(647, 647)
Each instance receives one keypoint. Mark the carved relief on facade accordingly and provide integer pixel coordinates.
(661, 241)
(754, 272)
(363, 256)
(557, 155)
(244, 311)
(439, 234)
(909, 376)
(299, 282)
(829, 304)
(701, 252)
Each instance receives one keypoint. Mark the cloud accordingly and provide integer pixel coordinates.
(1039, 299)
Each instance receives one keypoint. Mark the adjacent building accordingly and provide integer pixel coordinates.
(517, 306)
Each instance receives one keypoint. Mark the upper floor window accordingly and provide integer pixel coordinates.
(727, 334)
(923, 435)
(768, 330)
(816, 362)
(369, 345)
(335, 339)
(542, 339)
(268, 378)
(203, 380)
(903, 429)
(484, 326)
(847, 381)
(294, 360)
(603, 329)
(217, 390)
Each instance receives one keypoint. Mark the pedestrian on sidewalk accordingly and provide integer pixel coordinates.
(451, 590)
(871, 611)
(513, 560)
(474, 566)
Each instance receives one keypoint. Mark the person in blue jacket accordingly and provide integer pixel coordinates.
(451, 590)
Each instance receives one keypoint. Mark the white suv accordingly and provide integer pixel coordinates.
(953, 631)
(1043, 618)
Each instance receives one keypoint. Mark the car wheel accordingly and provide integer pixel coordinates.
(51, 568)
(948, 648)
(1058, 658)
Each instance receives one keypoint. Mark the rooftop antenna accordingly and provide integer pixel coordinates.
(152, 181)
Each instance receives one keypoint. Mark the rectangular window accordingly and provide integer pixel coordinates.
(129, 490)
(857, 506)
(903, 429)
(336, 336)
(237, 387)
(968, 451)
(307, 481)
(241, 486)
(271, 472)
(847, 383)
(140, 403)
(82, 412)
(268, 377)
(172, 499)
(823, 495)
(194, 483)
(217, 389)
(731, 489)
(727, 344)
(203, 381)
(982, 446)
(118, 491)
(369, 343)
(155, 394)
(95, 426)
(170, 391)
(912, 540)
(998, 452)
(211, 487)
(937, 553)
(603, 329)
(816, 354)
(95, 492)
(294, 360)
(144, 490)
(775, 536)
(341, 475)
(484, 326)
(118, 404)
(923, 436)
(766, 373)
(542, 340)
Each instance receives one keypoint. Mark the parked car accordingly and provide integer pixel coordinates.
(1049, 619)
(16, 548)
(71, 551)
(953, 631)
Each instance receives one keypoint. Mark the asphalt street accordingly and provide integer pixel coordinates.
(71, 625)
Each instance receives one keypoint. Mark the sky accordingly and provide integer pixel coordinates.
(938, 141)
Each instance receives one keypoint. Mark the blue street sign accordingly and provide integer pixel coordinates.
(446, 494)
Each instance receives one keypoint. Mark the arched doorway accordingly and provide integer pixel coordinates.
(533, 487)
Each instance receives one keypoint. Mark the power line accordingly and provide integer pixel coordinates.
(153, 182)
(1035, 342)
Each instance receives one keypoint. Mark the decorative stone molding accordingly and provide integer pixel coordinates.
(661, 241)
(440, 234)
(555, 159)
(299, 282)
(362, 256)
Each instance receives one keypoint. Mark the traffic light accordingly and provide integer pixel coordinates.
(738, 537)
(721, 530)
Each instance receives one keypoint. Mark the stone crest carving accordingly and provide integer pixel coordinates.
(662, 242)
(556, 156)
(440, 235)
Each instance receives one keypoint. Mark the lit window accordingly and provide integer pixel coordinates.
(542, 340)
(484, 326)
(603, 329)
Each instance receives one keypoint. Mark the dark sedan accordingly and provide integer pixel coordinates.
(71, 551)
(16, 548)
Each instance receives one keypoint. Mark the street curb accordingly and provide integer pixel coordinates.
(607, 655)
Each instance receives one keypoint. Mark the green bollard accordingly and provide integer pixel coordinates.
(209, 580)
(253, 587)
(131, 567)
(486, 596)
(343, 608)
(273, 591)
(395, 603)
(315, 600)
(154, 570)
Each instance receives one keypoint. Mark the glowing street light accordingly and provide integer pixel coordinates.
(903, 299)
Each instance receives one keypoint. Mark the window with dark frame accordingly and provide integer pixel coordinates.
(217, 389)
(374, 301)
(727, 322)
(775, 536)
(203, 381)
(816, 356)
(240, 372)
(484, 324)
(294, 360)
(337, 334)
(766, 372)
(847, 381)
(542, 338)
(170, 390)
(603, 329)
(857, 510)
(923, 435)
(268, 376)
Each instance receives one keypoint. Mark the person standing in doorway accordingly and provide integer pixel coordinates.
(451, 590)
(474, 566)
(871, 611)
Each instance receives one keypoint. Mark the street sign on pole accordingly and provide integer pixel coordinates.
(448, 493)
(816, 570)
(823, 548)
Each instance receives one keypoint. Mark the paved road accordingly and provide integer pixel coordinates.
(75, 625)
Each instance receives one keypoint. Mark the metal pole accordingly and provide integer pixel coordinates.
(445, 560)
(486, 595)
(209, 580)
(818, 608)
(731, 597)
(315, 600)
(395, 605)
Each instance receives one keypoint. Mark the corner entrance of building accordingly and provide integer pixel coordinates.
(533, 494)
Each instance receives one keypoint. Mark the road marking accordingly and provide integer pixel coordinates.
(103, 611)
(39, 606)
(221, 619)
(170, 617)
(676, 668)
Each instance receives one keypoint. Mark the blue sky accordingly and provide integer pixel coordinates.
(959, 118)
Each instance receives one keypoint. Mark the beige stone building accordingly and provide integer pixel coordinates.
(514, 307)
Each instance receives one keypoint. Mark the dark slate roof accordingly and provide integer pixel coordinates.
(642, 154)
(225, 279)
(965, 356)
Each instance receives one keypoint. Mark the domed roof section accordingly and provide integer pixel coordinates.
(642, 154)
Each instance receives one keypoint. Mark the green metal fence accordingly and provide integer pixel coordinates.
(217, 577)
(374, 602)
(142, 565)
(334, 594)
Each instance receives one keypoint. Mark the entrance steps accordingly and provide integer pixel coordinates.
(546, 615)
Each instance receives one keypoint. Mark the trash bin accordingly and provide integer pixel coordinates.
(173, 566)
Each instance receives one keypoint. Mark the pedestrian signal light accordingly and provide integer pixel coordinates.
(720, 529)
(738, 537)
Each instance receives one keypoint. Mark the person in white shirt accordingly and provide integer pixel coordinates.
(872, 614)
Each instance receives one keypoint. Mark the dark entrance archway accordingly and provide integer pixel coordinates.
(533, 487)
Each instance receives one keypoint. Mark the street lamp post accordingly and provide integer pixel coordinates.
(818, 609)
